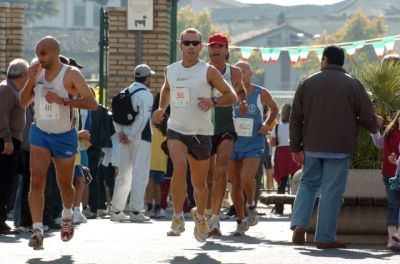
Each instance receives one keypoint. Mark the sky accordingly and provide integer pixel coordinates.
(291, 2)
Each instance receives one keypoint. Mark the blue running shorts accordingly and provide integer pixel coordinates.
(61, 145)
(255, 153)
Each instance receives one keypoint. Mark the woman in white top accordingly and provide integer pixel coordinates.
(283, 163)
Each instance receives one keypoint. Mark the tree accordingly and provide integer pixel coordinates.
(358, 27)
(187, 18)
(36, 9)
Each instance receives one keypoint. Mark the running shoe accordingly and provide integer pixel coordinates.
(177, 226)
(67, 230)
(36, 239)
(214, 227)
(252, 216)
(200, 226)
(119, 217)
(241, 228)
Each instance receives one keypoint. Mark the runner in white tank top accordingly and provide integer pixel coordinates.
(52, 136)
(187, 84)
(52, 117)
(187, 87)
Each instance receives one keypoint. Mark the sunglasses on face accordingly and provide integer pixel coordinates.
(193, 42)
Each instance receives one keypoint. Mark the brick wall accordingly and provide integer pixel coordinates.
(122, 47)
(11, 34)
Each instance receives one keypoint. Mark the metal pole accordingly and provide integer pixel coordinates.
(101, 56)
(173, 31)
(138, 55)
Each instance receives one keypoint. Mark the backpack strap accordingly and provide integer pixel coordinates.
(135, 91)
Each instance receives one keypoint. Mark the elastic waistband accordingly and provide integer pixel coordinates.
(54, 134)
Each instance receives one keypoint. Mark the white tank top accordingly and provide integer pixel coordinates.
(52, 118)
(186, 85)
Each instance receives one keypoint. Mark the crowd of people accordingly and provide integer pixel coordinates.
(208, 125)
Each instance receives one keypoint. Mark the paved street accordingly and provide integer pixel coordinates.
(103, 241)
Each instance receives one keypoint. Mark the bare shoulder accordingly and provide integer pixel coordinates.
(73, 73)
(264, 91)
(212, 72)
(74, 82)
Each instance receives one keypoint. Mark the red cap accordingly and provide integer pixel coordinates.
(217, 38)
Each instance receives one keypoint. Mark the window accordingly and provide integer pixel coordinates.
(79, 15)
(96, 15)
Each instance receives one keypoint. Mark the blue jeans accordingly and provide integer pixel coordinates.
(393, 197)
(327, 176)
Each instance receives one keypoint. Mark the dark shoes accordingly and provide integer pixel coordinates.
(336, 244)
(299, 235)
(4, 228)
(395, 247)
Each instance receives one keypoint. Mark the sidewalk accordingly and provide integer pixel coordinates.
(103, 241)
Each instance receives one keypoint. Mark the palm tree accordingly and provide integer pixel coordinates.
(383, 84)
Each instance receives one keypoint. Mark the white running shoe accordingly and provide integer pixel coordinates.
(214, 227)
(200, 227)
(119, 217)
(139, 217)
(241, 228)
(177, 226)
(78, 218)
(252, 217)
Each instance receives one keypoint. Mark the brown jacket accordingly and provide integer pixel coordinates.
(327, 108)
(12, 114)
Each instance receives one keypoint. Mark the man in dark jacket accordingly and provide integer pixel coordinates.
(12, 122)
(327, 108)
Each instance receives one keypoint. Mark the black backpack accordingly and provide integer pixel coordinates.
(122, 109)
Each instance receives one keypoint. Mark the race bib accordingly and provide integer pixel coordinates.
(181, 97)
(49, 111)
(244, 126)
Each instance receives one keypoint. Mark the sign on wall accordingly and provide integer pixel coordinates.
(140, 15)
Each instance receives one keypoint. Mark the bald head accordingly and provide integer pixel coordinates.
(47, 52)
(246, 71)
(50, 43)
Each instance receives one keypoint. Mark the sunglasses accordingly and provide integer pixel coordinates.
(193, 42)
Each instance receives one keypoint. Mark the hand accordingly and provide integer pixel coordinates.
(34, 70)
(393, 158)
(243, 107)
(205, 104)
(84, 134)
(158, 116)
(8, 148)
(263, 130)
(298, 158)
(379, 119)
(52, 97)
(123, 139)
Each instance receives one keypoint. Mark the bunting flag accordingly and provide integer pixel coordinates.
(275, 55)
(389, 44)
(246, 53)
(319, 53)
(359, 44)
(266, 55)
(303, 53)
(294, 55)
(351, 49)
(380, 46)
